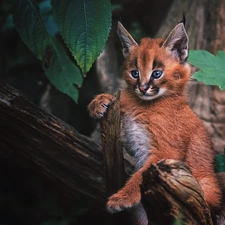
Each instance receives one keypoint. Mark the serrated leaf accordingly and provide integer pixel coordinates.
(212, 68)
(29, 25)
(63, 73)
(61, 70)
(84, 26)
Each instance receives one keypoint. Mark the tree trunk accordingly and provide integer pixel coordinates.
(206, 28)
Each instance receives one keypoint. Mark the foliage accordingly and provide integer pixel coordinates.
(212, 68)
(30, 27)
(84, 26)
(63, 73)
(212, 72)
(92, 20)
(220, 162)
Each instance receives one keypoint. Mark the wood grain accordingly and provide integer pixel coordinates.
(55, 149)
(170, 193)
(112, 148)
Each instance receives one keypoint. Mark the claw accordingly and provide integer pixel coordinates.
(118, 202)
(104, 105)
(101, 114)
(99, 105)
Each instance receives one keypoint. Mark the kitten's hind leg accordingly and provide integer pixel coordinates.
(130, 194)
(212, 192)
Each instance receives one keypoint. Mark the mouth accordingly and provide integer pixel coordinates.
(147, 96)
(153, 94)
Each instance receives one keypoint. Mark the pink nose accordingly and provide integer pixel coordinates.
(143, 88)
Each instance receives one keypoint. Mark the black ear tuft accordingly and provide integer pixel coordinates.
(184, 19)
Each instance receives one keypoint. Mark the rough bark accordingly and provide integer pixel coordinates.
(113, 160)
(69, 160)
(205, 27)
(170, 193)
(112, 148)
(66, 157)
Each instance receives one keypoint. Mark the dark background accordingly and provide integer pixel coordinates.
(28, 198)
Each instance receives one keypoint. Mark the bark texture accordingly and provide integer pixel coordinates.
(112, 148)
(70, 159)
(170, 193)
(72, 162)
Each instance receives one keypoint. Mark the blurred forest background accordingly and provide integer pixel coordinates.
(26, 196)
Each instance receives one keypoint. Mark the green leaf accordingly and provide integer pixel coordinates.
(63, 73)
(84, 26)
(61, 70)
(212, 68)
(29, 25)
(220, 162)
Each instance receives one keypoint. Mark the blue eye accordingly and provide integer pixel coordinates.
(157, 74)
(135, 74)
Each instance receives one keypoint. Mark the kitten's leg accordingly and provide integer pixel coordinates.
(213, 196)
(99, 105)
(130, 194)
(203, 170)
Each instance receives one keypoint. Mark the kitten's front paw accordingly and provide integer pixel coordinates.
(119, 201)
(99, 105)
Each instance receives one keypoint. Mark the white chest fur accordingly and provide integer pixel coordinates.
(135, 139)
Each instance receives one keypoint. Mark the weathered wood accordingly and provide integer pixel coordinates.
(114, 164)
(170, 193)
(55, 149)
(112, 149)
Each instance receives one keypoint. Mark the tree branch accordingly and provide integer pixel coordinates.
(56, 149)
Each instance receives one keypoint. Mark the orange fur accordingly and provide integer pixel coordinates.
(159, 125)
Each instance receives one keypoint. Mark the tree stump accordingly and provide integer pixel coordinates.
(171, 195)
(113, 160)
(112, 149)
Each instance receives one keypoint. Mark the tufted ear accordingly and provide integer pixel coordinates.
(177, 43)
(126, 39)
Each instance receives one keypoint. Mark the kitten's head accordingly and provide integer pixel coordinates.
(156, 67)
